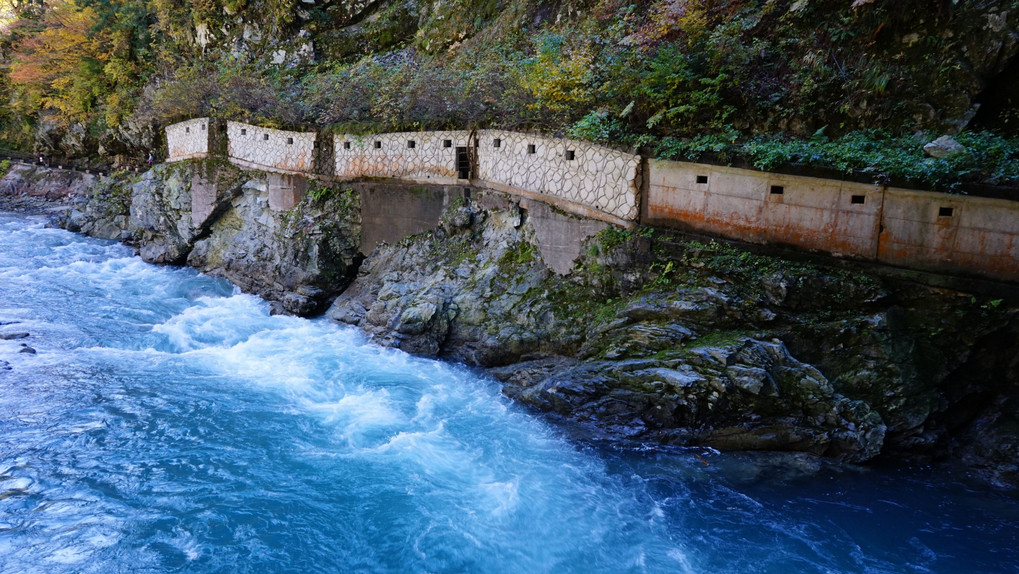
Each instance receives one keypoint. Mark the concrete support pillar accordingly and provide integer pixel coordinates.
(286, 191)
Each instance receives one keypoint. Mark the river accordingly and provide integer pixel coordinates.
(168, 423)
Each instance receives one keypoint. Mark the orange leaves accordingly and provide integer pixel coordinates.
(47, 62)
(65, 62)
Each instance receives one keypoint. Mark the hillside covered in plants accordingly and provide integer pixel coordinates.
(858, 86)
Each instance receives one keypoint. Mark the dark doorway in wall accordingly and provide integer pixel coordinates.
(463, 163)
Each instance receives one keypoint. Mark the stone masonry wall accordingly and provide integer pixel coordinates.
(188, 140)
(589, 175)
(424, 157)
(273, 150)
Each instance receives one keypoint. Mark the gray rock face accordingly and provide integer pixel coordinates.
(748, 395)
(680, 343)
(299, 257)
(943, 147)
(459, 291)
(216, 218)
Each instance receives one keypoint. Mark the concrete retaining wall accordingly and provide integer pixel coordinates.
(918, 229)
(269, 149)
(424, 157)
(951, 233)
(838, 217)
(595, 177)
(188, 140)
(390, 212)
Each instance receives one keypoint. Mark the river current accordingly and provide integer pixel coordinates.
(168, 423)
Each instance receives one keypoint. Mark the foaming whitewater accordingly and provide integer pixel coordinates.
(169, 423)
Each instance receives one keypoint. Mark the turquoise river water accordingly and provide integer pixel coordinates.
(168, 423)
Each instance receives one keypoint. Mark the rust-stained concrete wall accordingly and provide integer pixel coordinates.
(423, 157)
(271, 150)
(187, 140)
(827, 215)
(916, 229)
(951, 233)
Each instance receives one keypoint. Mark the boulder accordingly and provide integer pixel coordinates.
(944, 146)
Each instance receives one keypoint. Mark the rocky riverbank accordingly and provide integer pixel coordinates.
(652, 338)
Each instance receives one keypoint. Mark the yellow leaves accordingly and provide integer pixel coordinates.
(560, 82)
(669, 18)
(56, 50)
(66, 65)
(120, 71)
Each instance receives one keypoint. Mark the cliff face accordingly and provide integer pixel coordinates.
(651, 337)
(216, 218)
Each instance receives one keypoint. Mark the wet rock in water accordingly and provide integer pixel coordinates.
(5, 323)
(27, 350)
(13, 336)
(5, 366)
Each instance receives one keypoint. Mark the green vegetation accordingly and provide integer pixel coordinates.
(987, 157)
(854, 86)
(520, 254)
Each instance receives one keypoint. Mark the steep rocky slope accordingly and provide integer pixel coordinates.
(296, 258)
(663, 339)
(89, 79)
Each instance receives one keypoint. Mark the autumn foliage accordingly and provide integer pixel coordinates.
(73, 59)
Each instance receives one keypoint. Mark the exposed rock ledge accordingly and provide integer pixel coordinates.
(651, 337)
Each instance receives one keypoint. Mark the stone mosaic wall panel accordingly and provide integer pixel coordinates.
(269, 149)
(427, 157)
(590, 175)
(187, 140)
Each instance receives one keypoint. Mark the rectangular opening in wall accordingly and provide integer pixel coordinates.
(290, 141)
(463, 163)
(702, 179)
(203, 127)
(315, 145)
(187, 130)
(858, 199)
(447, 143)
(346, 145)
(411, 144)
(497, 142)
(777, 190)
(945, 211)
(378, 145)
(570, 155)
(244, 131)
(530, 148)
(265, 137)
